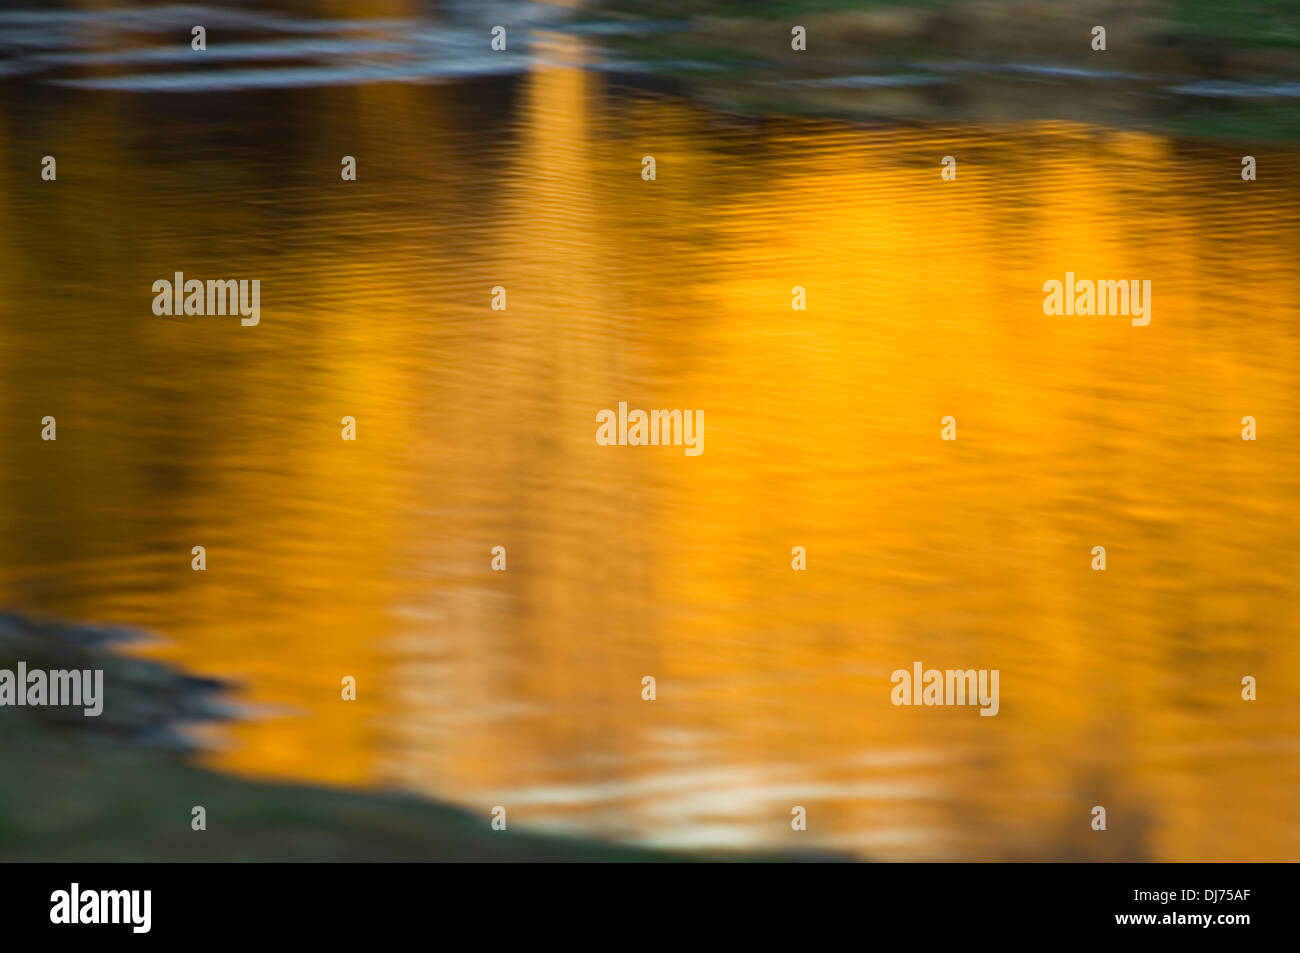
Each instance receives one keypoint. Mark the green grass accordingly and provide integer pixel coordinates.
(1239, 122)
(136, 806)
(1254, 23)
(1238, 23)
(759, 9)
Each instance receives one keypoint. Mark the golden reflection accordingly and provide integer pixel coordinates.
(476, 428)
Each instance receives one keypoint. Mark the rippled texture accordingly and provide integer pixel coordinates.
(476, 428)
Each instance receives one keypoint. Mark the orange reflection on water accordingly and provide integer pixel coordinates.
(476, 428)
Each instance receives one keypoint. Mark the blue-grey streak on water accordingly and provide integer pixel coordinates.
(138, 50)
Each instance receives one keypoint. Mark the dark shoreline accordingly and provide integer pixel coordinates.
(120, 787)
(1165, 70)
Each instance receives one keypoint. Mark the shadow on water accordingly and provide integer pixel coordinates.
(934, 61)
